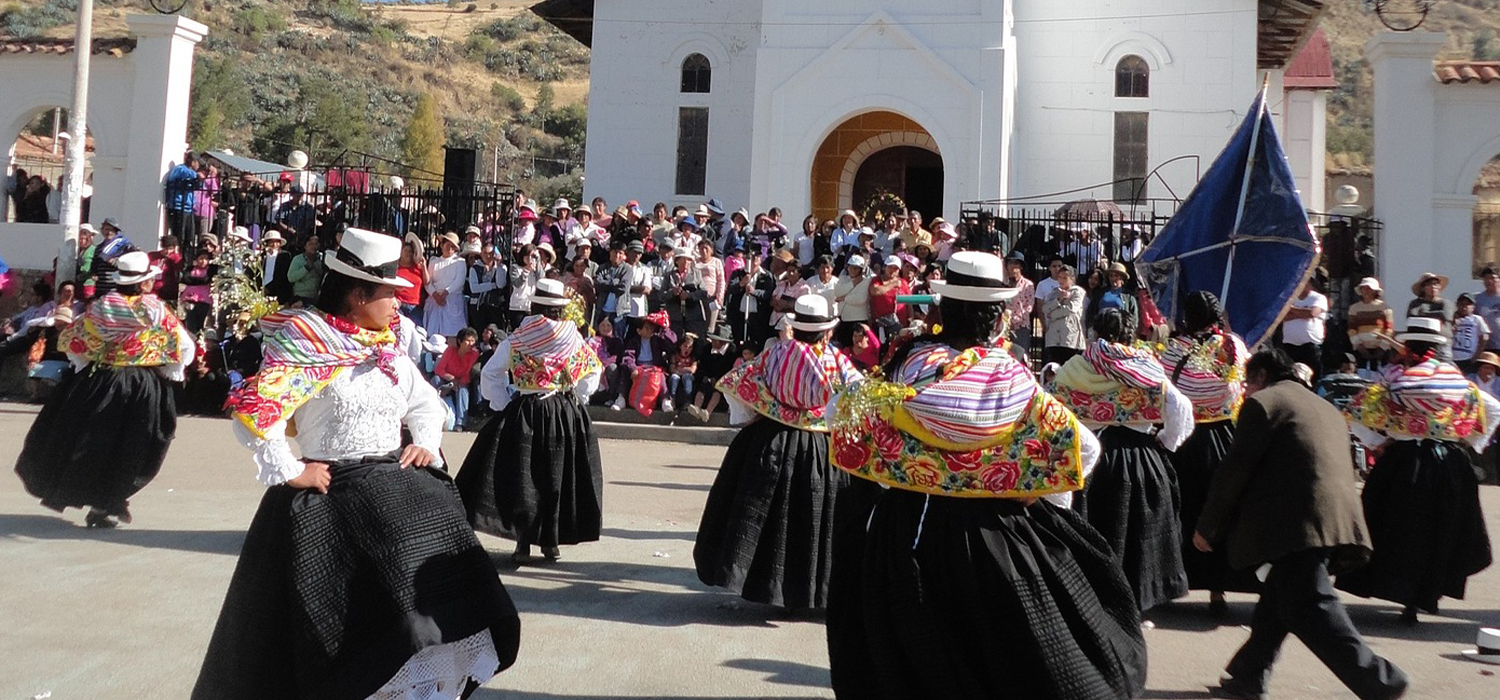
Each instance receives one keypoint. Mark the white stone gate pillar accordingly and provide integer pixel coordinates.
(163, 81)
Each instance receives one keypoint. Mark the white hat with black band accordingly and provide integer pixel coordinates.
(133, 268)
(550, 293)
(1424, 330)
(369, 256)
(977, 277)
(812, 312)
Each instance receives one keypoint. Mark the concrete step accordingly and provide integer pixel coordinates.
(627, 424)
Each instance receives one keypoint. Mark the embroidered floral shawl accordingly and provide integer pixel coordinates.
(304, 351)
(970, 424)
(1212, 375)
(1430, 400)
(1113, 384)
(792, 383)
(550, 355)
(123, 331)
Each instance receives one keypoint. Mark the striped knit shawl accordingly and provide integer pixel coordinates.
(1429, 400)
(792, 382)
(965, 397)
(540, 336)
(123, 331)
(1129, 366)
(1211, 375)
(550, 355)
(304, 351)
(1112, 384)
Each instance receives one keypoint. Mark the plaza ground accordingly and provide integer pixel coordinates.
(127, 613)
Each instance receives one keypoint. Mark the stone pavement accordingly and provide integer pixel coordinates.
(126, 614)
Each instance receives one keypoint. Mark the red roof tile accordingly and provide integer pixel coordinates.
(1485, 72)
(116, 46)
(1312, 67)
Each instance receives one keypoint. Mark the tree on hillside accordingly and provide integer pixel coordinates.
(422, 146)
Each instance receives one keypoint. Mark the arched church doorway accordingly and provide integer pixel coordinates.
(874, 153)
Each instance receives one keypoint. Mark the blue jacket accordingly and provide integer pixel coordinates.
(182, 182)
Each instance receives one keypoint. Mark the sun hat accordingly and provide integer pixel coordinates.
(743, 213)
(272, 235)
(369, 256)
(659, 319)
(945, 230)
(703, 211)
(683, 253)
(1425, 330)
(471, 228)
(688, 222)
(1464, 297)
(1427, 277)
(785, 255)
(550, 292)
(812, 312)
(451, 237)
(526, 214)
(1488, 358)
(1120, 268)
(133, 268)
(560, 205)
(714, 206)
(471, 248)
(1487, 647)
(974, 276)
(88, 227)
(546, 248)
(723, 334)
(241, 233)
(856, 262)
(1369, 283)
(111, 222)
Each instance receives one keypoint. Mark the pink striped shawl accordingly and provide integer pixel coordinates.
(1133, 367)
(966, 397)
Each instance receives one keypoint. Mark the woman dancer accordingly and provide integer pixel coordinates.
(959, 546)
(767, 530)
(533, 474)
(1207, 364)
(1422, 498)
(359, 577)
(1122, 393)
(104, 433)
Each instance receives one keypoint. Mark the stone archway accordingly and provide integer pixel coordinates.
(892, 145)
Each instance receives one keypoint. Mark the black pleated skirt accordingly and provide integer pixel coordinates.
(1422, 506)
(334, 593)
(533, 474)
(767, 529)
(100, 438)
(984, 598)
(1132, 500)
(1195, 464)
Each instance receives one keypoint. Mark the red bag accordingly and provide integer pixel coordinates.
(645, 388)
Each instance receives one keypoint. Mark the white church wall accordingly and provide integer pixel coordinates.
(634, 98)
(1203, 77)
(1305, 139)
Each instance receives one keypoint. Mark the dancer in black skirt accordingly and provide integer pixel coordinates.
(103, 434)
(767, 530)
(972, 543)
(1422, 498)
(1206, 363)
(359, 577)
(1122, 393)
(533, 474)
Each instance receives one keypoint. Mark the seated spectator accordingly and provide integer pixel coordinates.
(681, 370)
(864, 352)
(1486, 367)
(607, 347)
(648, 350)
(714, 361)
(454, 375)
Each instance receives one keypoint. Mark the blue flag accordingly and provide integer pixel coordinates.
(1242, 234)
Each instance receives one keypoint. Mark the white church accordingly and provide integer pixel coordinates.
(813, 105)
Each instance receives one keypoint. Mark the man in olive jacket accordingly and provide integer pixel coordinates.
(1285, 496)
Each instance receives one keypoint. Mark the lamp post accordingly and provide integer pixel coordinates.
(71, 212)
(1400, 15)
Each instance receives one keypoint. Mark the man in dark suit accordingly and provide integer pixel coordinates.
(1285, 496)
(749, 301)
(278, 263)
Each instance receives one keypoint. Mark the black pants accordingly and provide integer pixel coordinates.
(1310, 354)
(1298, 598)
(181, 224)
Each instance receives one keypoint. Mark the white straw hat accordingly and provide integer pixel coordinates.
(975, 276)
(369, 256)
(811, 312)
(1425, 330)
(133, 268)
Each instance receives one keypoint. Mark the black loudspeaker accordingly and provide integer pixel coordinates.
(458, 167)
(458, 187)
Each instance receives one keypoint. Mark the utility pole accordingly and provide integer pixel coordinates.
(73, 164)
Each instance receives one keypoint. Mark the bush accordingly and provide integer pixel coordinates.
(508, 97)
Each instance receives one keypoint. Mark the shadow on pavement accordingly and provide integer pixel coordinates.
(627, 593)
(1384, 621)
(670, 487)
(498, 694)
(784, 672)
(53, 527)
(618, 533)
(698, 467)
(1175, 694)
(1194, 617)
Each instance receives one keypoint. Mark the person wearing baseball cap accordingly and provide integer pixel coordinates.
(748, 541)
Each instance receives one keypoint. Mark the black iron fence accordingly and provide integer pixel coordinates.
(346, 198)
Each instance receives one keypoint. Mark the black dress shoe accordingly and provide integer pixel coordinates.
(1409, 616)
(98, 519)
(551, 553)
(1218, 609)
(1237, 690)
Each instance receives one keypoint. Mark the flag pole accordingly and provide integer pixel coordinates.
(1239, 215)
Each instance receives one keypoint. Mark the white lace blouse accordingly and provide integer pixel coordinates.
(495, 385)
(359, 414)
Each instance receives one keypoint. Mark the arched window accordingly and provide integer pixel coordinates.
(697, 74)
(1132, 77)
